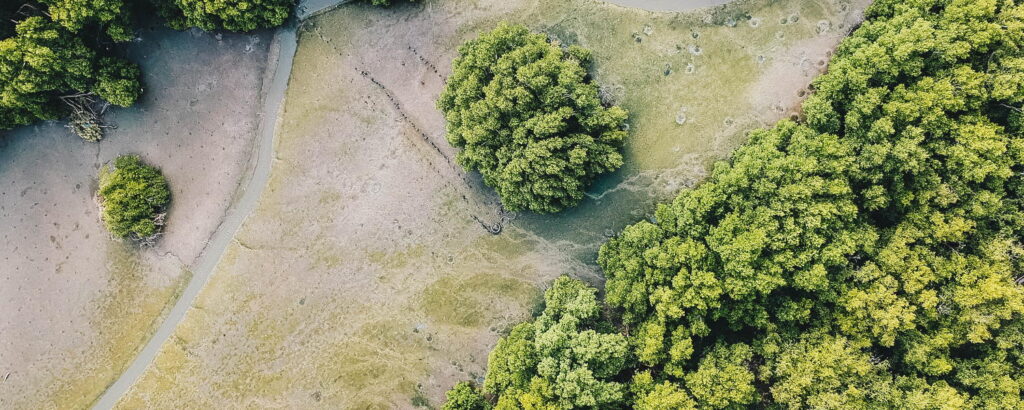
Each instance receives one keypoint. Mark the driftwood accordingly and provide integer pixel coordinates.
(86, 115)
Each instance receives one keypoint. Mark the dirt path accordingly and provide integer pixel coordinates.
(82, 304)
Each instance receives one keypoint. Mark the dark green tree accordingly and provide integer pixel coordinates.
(525, 114)
(569, 357)
(133, 198)
(43, 62)
(869, 257)
(464, 396)
(233, 15)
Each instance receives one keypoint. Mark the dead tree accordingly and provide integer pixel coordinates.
(86, 115)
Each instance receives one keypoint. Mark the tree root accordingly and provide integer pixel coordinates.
(86, 112)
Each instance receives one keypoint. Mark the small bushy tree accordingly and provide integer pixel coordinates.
(43, 61)
(528, 118)
(464, 396)
(133, 197)
(869, 257)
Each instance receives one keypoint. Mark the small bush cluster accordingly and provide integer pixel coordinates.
(133, 197)
(527, 117)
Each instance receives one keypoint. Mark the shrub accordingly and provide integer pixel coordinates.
(234, 15)
(117, 81)
(526, 116)
(133, 197)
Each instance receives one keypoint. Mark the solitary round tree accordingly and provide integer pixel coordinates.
(133, 198)
(526, 115)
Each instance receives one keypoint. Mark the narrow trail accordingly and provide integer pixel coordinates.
(252, 188)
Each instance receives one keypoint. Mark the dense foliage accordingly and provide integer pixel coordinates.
(384, 3)
(133, 197)
(75, 15)
(51, 49)
(234, 15)
(869, 258)
(43, 61)
(527, 117)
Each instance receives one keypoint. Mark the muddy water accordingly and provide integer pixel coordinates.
(668, 5)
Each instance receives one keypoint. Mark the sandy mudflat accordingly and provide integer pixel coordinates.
(77, 304)
(365, 279)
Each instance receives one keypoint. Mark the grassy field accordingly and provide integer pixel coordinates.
(366, 277)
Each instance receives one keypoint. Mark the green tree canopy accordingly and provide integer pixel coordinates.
(526, 115)
(43, 61)
(869, 257)
(133, 196)
(465, 397)
(57, 48)
(74, 15)
(866, 257)
(384, 3)
(568, 357)
(234, 15)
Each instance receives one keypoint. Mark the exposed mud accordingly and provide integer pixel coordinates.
(81, 304)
